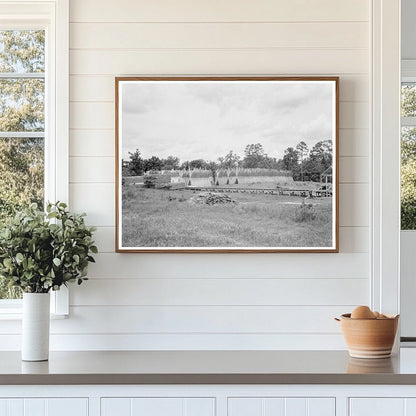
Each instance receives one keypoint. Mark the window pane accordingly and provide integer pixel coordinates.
(21, 183)
(408, 178)
(408, 99)
(408, 144)
(22, 105)
(21, 173)
(22, 51)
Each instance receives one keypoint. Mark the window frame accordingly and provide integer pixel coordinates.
(53, 17)
(385, 156)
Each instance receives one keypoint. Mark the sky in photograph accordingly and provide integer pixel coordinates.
(207, 119)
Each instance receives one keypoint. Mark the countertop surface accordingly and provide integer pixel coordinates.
(208, 367)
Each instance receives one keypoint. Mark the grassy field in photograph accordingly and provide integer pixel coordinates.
(167, 218)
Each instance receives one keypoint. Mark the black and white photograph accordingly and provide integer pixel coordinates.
(227, 164)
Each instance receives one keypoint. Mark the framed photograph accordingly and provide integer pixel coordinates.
(226, 164)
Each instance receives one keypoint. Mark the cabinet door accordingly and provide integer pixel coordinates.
(160, 406)
(377, 406)
(281, 406)
(44, 407)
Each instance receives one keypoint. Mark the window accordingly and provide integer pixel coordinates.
(22, 124)
(408, 154)
(33, 113)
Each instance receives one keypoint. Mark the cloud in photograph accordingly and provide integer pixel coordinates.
(206, 119)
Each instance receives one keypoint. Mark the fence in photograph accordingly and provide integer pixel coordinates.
(251, 181)
(314, 193)
(220, 176)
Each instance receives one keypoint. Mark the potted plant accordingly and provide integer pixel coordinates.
(40, 252)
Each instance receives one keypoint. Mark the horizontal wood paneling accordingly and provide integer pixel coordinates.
(352, 239)
(99, 115)
(194, 319)
(200, 319)
(353, 115)
(93, 143)
(218, 11)
(218, 35)
(105, 239)
(96, 199)
(99, 88)
(354, 142)
(218, 291)
(192, 341)
(354, 170)
(354, 205)
(231, 266)
(221, 62)
(213, 301)
(92, 169)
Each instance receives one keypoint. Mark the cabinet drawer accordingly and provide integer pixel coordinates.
(377, 406)
(160, 406)
(270, 406)
(44, 407)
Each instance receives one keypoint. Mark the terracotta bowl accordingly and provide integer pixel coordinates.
(369, 366)
(369, 338)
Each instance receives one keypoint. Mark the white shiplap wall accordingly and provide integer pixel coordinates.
(249, 301)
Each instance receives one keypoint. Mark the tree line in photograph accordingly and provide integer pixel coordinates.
(305, 164)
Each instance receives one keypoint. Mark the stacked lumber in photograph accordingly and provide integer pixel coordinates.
(212, 198)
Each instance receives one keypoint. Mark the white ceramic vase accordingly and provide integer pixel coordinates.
(35, 328)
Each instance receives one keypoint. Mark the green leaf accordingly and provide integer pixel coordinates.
(37, 255)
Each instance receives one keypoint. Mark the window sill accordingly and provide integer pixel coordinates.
(11, 309)
(12, 315)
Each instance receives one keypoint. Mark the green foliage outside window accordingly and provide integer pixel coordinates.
(21, 110)
(408, 160)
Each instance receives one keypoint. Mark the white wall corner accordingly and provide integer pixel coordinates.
(385, 114)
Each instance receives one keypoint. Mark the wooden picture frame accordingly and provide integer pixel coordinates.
(227, 164)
